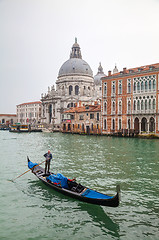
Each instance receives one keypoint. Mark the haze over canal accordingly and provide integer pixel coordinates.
(29, 210)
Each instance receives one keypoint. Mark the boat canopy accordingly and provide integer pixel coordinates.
(31, 165)
(58, 179)
(89, 193)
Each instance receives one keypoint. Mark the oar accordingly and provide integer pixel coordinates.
(26, 171)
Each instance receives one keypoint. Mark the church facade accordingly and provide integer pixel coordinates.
(74, 84)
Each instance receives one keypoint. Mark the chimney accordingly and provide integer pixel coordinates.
(109, 73)
(124, 70)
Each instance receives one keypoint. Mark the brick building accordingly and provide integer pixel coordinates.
(82, 119)
(130, 100)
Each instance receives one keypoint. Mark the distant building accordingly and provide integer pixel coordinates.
(82, 119)
(75, 83)
(7, 119)
(29, 113)
(130, 100)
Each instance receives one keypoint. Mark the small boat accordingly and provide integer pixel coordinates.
(73, 189)
(19, 128)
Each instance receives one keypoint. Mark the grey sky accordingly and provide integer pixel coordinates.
(36, 37)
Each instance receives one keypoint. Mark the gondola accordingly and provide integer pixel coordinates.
(73, 189)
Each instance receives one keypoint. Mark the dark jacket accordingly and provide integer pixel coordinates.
(48, 156)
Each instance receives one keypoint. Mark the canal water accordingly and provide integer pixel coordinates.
(30, 210)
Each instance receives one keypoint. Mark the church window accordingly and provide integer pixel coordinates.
(70, 90)
(76, 90)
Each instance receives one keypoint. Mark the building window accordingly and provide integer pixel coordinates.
(142, 86)
(120, 87)
(97, 126)
(105, 107)
(91, 115)
(105, 89)
(135, 105)
(154, 84)
(92, 127)
(129, 106)
(138, 105)
(128, 123)
(134, 87)
(81, 117)
(138, 87)
(142, 105)
(97, 116)
(113, 88)
(150, 85)
(154, 104)
(76, 90)
(3, 120)
(113, 124)
(145, 86)
(129, 87)
(113, 106)
(146, 104)
(70, 90)
(78, 126)
(119, 124)
(149, 103)
(82, 127)
(105, 124)
(120, 107)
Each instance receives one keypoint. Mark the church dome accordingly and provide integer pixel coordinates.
(75, 65)
(99, 75)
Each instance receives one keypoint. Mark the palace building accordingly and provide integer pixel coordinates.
(130, 101)
(75, 83)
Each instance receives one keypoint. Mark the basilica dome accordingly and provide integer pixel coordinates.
(75, 65)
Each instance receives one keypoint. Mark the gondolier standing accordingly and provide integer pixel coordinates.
(48, 157)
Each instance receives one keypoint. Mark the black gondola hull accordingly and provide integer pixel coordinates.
(112, 202)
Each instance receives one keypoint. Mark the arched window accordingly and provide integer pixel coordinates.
(135, 105)
(113, 106)
(138, 87)
(128, 123)
(113, 124)
(154, 104)
(105, 107)
(146, 104)
(120, 87)
(150, 85)
(119, 124)
(142, 86)
(145, 86)
(134, 86)
(149, 103)
(120, 106)
(129, 87)
(105, 124)
(142, 104)
(70, 90)
(76, 90)
(113, 88)
(138, 105)
(154, 84)
(129, 106)
(105, 89)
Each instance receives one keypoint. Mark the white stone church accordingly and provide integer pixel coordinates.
(75, 83)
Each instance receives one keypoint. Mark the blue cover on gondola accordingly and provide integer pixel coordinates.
(31, 165)
(58, 179)
(93, 194)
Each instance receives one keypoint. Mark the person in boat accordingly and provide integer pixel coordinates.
(48, 157)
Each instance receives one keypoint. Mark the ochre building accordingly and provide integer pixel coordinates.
(130, 101)
(82, 119)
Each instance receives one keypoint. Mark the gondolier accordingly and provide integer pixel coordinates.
(48, 157)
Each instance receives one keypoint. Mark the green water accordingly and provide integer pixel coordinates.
(29, 210)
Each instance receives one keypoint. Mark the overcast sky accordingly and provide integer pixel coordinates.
(36, 37)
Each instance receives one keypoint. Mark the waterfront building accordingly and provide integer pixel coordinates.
(7, 119)
(75, 83)
(130, 100)
(82, 119)
(29, 113)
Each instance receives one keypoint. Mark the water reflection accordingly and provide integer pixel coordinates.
(52, 200)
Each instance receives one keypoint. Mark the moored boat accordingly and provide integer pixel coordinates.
(73, 189)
